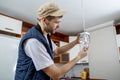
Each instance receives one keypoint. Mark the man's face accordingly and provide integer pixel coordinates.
(52, 25)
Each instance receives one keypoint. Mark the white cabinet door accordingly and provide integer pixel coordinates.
(8, 56)
(118, 40)
(118, 43)
(10, 25)
(74, 51)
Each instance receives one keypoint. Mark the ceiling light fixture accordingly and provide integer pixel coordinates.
(84, 36)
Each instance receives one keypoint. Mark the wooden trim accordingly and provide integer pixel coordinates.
(117, 26)
(9, 33)
(10, 16)
(60, 36)
(26, 26)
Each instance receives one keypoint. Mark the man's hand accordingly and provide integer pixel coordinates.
(83, 53)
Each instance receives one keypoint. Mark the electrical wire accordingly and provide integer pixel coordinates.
(83, 15)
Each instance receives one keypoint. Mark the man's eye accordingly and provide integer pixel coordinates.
(57, 22)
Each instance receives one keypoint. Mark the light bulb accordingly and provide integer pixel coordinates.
(85, 39)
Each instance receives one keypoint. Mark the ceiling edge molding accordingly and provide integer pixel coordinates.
(107, 24)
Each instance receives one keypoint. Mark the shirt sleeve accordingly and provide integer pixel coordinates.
(36, 50)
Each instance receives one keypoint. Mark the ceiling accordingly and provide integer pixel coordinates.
(95, 12)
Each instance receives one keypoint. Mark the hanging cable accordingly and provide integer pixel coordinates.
(85, 36)
(83, 15)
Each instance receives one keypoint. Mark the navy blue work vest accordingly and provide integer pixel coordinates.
(25, 69)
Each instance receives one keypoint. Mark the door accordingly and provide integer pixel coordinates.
(8, 56)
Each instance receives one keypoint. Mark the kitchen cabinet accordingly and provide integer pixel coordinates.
(66, 56)
(60, 36)
(26, 26)
(74, 51)
(118, 40)
(10, 25)
(61, 39)
(63, 58)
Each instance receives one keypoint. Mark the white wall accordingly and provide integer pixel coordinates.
(103, 53)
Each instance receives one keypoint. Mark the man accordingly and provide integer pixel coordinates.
(35, 59)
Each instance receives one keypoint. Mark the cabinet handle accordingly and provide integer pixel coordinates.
(9, 29)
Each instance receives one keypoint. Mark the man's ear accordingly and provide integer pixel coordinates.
(42, 18)
(45, 20)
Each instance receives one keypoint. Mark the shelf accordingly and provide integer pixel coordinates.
(9, 33)
(60, 36)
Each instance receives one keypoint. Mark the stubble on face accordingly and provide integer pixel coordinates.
(48, 28)
(52, 25)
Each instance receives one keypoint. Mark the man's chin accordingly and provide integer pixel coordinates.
(53, 32)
